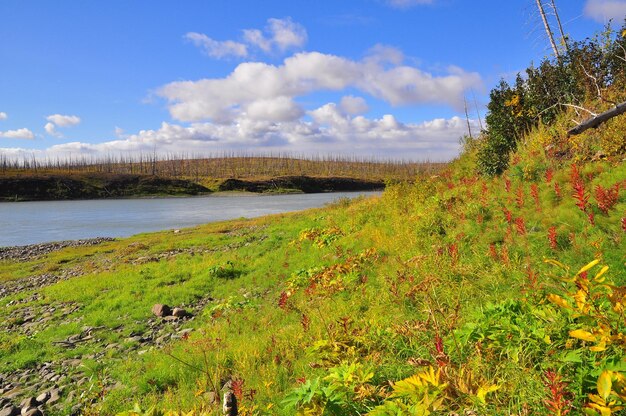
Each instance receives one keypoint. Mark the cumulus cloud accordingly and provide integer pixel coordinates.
(3, 115)
(217, 49)
(329, 130)
(17, 134)
(59, 120)
(279, 35)
(405, 4)
(604, 10)
(221, 100)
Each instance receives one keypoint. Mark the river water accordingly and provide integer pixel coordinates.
(24, 223)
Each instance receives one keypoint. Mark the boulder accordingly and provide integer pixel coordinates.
(161, 310)
(31, 411)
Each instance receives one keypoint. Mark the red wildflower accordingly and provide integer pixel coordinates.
(552, 238)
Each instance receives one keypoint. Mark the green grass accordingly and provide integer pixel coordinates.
(384, 279)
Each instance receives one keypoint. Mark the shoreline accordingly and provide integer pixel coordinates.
(110, 187)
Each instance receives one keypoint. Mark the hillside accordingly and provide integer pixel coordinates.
(444, 280)
(495, 287)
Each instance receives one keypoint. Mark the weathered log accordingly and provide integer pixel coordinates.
(595, 121)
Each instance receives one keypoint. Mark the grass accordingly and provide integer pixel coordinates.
(429, 274)
(433, 298)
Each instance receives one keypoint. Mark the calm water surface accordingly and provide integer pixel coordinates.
(43, 221)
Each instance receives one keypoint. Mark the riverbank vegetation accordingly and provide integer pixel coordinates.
(472, 291)
(235, 166)
(153, 175)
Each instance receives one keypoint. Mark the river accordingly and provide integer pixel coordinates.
(24, 223)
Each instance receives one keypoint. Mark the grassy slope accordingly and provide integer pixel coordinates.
(360, 299)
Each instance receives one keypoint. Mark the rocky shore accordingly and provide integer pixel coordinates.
(30, 252)
(54, 387)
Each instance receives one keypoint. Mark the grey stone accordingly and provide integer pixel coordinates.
(28, 402)
(43, 397)
(161, 310)
(180, 313)
(171, 318)
(185, 332)
(10, 411)
(55, 396)
(31, 411)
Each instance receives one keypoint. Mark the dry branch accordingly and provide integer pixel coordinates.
(595, 121)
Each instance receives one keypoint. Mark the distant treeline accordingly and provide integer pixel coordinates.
(221, 166)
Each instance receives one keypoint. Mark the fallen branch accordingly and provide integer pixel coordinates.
(595, 121)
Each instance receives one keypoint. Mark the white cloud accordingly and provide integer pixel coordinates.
(119, 132)
(604, 10)
(63, 121)
(59, 120)
(17, 134)
(353, 105)
(221, 100)
(286, 33)
(405, 4)
(3, 115)
(51, 130)
(282, 34)
(279, 35)
(217, 49)
(330, 130)
(274, 109)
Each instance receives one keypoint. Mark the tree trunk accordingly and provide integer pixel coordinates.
(558, 21)
(547, 27)
(595, 121)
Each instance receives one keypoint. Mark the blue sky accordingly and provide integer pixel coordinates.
(381, 78)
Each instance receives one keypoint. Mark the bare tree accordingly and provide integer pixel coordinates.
(546, 25)
(469, 127)
(558, 21)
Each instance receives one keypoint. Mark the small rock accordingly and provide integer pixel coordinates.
(185, 332)
(55, 396)
(10, 411)
(136, 338)
(31, 411)
(180, 313)
(171, 318)
(43, 397)
(28, 403)
(161, 310)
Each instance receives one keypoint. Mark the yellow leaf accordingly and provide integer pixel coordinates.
(483, 391)
(581, 298)
(600, 273)
(581, 334)
(588, 266)
(556, 263)
(604, 384)
(557, 300)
